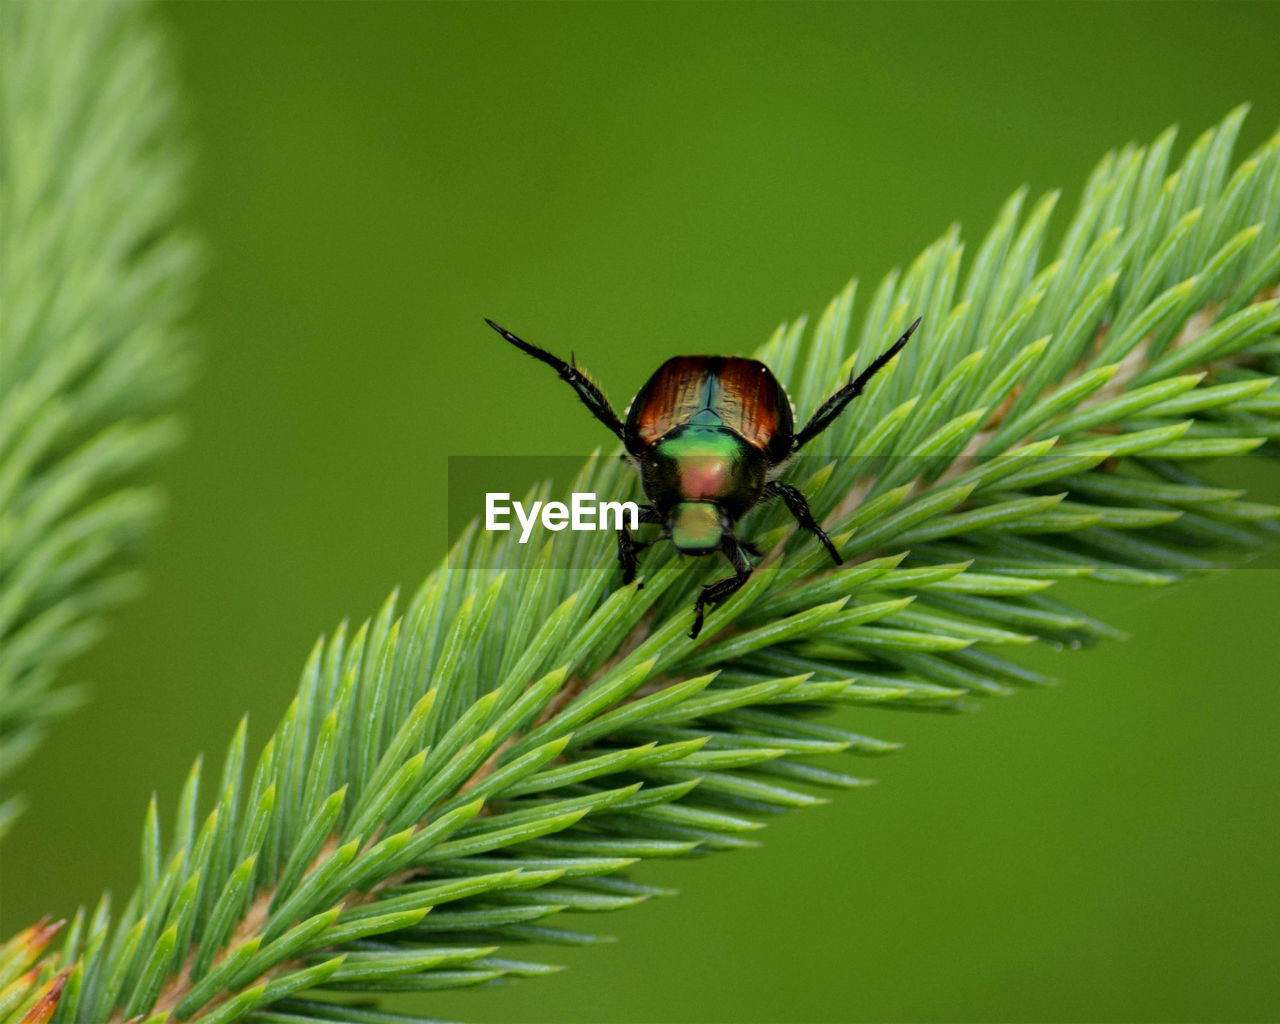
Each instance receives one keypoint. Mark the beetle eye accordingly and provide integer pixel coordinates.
(696, 527)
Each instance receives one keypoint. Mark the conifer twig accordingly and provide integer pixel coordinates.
(94, 280)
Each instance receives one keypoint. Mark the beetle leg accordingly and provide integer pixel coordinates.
(629, 547)
(714, 593)
(799, 508)
(590, 395)
(834, 405)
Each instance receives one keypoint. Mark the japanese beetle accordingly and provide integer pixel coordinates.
(708, 436)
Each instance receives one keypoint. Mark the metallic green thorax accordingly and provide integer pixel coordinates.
(703, 476)
(708, 461)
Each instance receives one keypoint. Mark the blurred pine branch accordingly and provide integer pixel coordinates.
(451, 776)
(93, 281)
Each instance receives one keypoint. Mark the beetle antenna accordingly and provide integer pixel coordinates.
(835, 405)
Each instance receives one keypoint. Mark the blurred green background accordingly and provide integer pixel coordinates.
(632, 181)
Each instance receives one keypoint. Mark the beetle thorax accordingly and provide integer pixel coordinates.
(704, 463)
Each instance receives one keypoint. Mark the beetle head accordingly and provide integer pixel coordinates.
(697, 527)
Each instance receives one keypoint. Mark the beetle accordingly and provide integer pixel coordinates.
(708, 436)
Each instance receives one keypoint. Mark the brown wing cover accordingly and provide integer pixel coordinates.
(743, 393)
(752, 402)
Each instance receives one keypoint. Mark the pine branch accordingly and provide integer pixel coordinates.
(450, 777)
(93, 281)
